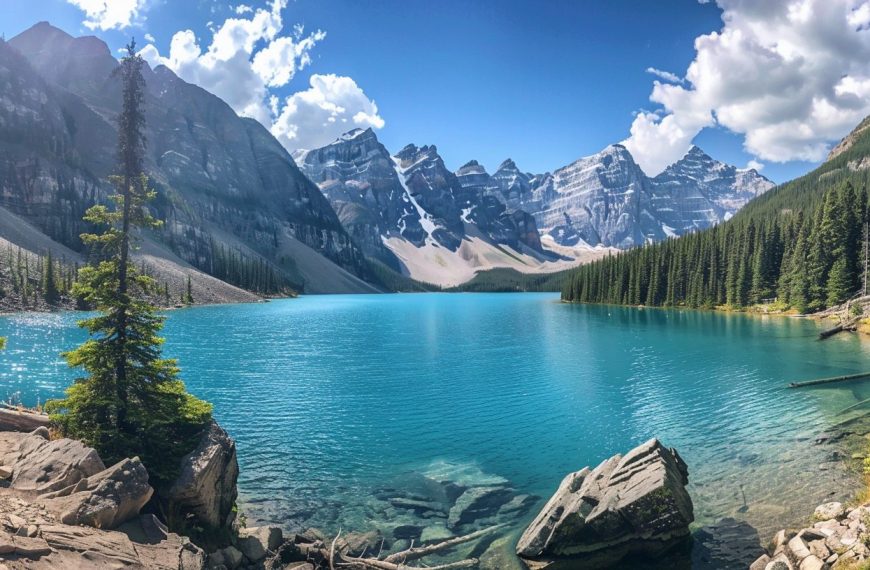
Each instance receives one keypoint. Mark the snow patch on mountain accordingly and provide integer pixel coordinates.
(438, 265)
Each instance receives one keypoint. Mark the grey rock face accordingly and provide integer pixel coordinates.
(697, 191)
(206, 486)
(607, 199)
(635, 503)
(603, 199)
(436, 190)
(221, 179)
(505, 221)
(411, 195)
(257, 542)
(359, 178)
(44, 466)
(104, 500)
(72, 481)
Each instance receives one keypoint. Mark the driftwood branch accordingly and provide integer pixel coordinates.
(421, 551)
(399, 560)
(332, 551)
(384, 565)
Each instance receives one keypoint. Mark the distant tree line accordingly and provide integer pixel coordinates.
(509, 280)
(808, 259)
(32, 279)
(251, 273)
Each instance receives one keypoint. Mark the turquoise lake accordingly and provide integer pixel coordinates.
(330, 397)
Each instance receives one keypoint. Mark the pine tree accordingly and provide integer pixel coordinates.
(130, 400)
(49, 284)
(189, 295)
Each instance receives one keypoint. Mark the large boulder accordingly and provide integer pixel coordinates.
(104, 500)
(45, 466)
(72, 481)
(206, 486)
(257, 542)
(636, 504)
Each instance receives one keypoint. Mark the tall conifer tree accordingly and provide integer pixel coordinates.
(130, 400)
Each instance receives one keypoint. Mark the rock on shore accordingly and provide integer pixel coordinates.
(636, 504)
(206, 487)
(60, 507)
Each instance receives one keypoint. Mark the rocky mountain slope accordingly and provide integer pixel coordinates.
(224, 183)
(411, 212)
(606, 199)
(228, 190)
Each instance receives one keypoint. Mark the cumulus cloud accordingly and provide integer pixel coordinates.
(754, 165)
(331, 106)
(666, 75)
(249, 58)
(791, 77)
(110, 14)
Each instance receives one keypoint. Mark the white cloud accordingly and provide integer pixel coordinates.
(755, 165)
(666, 75)
(331, 106)
(790, 76)
(248, 59)
(243, 9)
(149, 38)
(110, 14)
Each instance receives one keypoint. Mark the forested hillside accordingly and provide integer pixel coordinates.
(801, 244)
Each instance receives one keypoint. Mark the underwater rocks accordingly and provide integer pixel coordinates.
(635, 504)
(836, 540)
(443, 501)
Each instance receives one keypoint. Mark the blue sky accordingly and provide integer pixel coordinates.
(541, 82)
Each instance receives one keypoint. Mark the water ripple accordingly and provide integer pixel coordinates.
(330, 396)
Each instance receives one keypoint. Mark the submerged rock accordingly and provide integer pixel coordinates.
(477, 503)
(835, 541)
(636, 504)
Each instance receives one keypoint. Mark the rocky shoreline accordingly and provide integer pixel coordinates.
(61, 507)
(836, 540)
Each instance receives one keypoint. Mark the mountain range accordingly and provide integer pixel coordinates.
(348, 215)
(443, 226)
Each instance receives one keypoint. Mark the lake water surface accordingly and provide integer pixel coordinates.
(332, 397)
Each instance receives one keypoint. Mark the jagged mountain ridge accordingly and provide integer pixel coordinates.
(222, 180)
(412, 206)
(607, 199)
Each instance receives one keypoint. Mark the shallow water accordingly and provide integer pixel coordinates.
(332, 397)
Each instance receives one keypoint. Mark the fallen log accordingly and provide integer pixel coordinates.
(399, 560)
(830, 380)
(421, 551)
(14, 419)
(831, 332)
(853, 406)
(384, 565)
